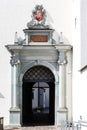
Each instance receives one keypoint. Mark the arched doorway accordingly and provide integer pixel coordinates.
(38, 92)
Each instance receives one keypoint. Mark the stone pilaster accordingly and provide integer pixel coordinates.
(14, 110)
(62, 79)
(62, 110)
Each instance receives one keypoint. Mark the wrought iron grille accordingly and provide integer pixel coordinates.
(40, 73)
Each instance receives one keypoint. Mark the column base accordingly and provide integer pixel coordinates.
(62, 115)
(14, 117)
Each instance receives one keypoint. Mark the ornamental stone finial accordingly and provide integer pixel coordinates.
(61, 37)
(16, 38)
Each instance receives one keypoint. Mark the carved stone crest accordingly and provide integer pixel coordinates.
(39, 14)
(38, 18)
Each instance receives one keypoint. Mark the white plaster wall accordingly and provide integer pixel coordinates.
(79, 59)
(76, 57)
(83, 33)
(83, 75)
(83, 95)
(5, 84)
(13, 17)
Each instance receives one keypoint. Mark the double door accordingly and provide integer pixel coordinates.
(38, 103)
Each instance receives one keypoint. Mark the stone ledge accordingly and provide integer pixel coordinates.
(62, 110)
(15, 109)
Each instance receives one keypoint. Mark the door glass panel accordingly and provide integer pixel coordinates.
(40, 97)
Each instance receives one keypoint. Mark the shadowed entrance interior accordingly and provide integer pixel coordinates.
(38, 97)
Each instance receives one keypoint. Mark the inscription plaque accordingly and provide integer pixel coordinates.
(38, 38)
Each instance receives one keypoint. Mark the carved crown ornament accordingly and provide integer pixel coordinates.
(38, 17)
(39, 13)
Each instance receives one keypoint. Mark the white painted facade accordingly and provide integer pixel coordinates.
(64, 16)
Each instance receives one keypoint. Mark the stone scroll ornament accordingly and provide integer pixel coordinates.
(38, 16)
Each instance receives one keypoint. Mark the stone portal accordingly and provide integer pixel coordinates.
(41, 75)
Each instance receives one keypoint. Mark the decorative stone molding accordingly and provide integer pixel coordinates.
(38, 62)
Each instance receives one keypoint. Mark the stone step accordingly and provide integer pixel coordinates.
(39, 128)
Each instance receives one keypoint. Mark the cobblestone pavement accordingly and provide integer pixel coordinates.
(39, 128)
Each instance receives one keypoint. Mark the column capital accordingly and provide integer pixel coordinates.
(62, 58)
(14, 60)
